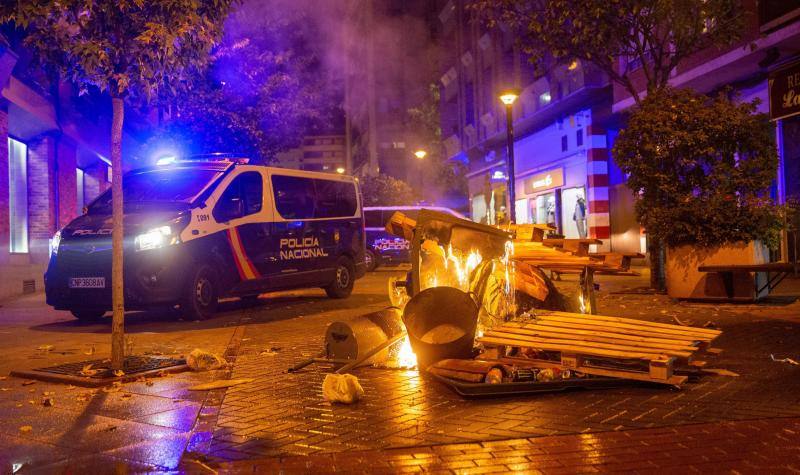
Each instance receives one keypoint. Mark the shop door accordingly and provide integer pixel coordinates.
(544, 209)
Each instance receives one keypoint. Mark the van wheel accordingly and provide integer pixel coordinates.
(88, 314)
(201, 294)
(342, 285)
(372, 260)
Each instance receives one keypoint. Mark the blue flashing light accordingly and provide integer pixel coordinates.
(166, 160)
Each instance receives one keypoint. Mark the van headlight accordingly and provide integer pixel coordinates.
(155, 238)
(55, 242)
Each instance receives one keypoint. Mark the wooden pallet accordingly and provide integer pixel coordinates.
(605, 346)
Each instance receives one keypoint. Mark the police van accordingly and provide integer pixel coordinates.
(384, 248)
(200, 230)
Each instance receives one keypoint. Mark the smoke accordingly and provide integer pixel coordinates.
(340, 31)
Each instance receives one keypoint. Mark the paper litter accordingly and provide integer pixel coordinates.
(200, 360)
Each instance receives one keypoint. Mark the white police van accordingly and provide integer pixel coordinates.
(199, 230)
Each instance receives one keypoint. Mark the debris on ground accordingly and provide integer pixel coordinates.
(48, 402)
(45, 348)
(343, 388)
(270, 352)
(119, 373)
(89, 351)
(687, 323)
(785, 360)
(28, 383)
(115, 387)
(201, 360)
(220, 384)
(720, 372)
(25, 429)
(471, 371)
(88, 371)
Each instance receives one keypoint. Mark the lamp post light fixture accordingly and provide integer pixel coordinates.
(508, 98)
(340, 170)
(420, 154)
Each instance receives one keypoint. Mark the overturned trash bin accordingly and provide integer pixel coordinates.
(441, 323)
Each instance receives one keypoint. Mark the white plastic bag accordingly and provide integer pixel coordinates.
(341, 388)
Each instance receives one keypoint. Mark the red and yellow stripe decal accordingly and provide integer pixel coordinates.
(245, 267)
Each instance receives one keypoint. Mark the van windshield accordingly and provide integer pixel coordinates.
(172, 188)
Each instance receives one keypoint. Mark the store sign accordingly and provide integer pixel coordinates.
(545, 181)
(784, 92)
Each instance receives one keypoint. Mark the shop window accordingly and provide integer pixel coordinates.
(79, 186)
(18, 195)
(564, 143)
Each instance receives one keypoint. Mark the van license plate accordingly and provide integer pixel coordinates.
(87, 283)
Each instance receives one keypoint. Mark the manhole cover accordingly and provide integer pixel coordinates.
(102, 374)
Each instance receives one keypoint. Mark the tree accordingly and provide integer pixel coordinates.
(618, 37)
(425, 123)
(134, 50)
(384, 190)
(637, 43)
(701, 169)
(265, 88)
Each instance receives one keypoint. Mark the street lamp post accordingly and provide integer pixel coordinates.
(420, 154)
(508, 99)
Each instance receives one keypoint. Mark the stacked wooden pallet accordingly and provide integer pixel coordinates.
(601, 345)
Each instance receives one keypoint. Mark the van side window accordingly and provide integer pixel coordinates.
(335, 199)
(294, 196)
(243, 197)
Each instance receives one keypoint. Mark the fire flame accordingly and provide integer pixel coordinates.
(453, 268)
(405, 355)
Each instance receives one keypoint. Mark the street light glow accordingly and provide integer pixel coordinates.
(420, 154)
(340, 170)
(509, 97)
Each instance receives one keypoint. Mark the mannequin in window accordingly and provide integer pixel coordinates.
(579, 216)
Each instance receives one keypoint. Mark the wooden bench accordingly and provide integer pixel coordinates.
(580, 247)
(779, 270)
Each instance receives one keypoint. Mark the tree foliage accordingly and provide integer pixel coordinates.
(265, 89)
(701, 169)
(124, 47)
(384, 190)
(616, 36)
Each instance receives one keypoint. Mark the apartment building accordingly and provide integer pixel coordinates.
(563, 128)
(320, 153)
(54, 149)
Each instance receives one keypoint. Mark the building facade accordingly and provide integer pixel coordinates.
(319, 153)
(562, 124)
(53, 161)
(565, 121)
(765, 65)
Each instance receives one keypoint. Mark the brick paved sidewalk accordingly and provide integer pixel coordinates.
(283, 414)
(767, 445)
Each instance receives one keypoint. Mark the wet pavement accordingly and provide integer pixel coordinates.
(281, 418)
